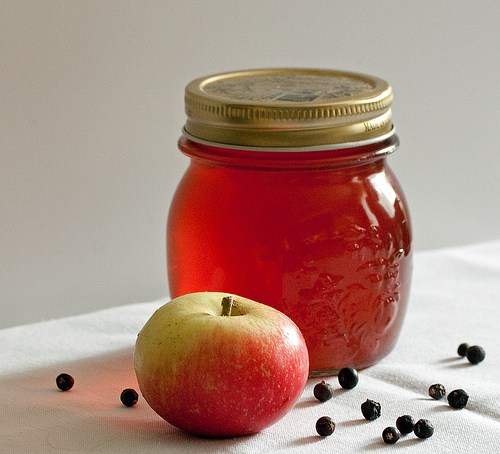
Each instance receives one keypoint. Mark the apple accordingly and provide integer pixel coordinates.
(220, 365)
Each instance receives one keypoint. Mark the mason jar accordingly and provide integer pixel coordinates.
(288, 200)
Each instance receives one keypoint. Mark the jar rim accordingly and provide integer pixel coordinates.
(300, 149)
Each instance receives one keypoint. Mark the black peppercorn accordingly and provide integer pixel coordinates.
(325, 426)
(65, 382)
(129, 397)
(462, 349)
(405, 424)
(390, 435)
(437, 391)
(458, 399)
(323, 391)
(348, 377)
(423, 428)
(371, 410)
(475, 354)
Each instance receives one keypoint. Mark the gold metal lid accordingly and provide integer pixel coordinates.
(288, 107)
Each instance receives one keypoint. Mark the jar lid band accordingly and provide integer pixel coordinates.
(288, 108)
(334, 146)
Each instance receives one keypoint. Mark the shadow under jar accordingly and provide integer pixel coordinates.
(288, 200)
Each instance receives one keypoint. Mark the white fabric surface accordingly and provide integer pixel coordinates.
(455, 298)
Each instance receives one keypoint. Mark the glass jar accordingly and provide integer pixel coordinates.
(288, 200)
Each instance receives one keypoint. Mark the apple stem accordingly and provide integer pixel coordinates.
(227, 305)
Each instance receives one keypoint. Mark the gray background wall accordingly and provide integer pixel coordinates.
(91, 106)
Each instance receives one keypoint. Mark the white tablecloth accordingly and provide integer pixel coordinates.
(455, 298)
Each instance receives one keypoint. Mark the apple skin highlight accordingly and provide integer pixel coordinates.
(220, 376)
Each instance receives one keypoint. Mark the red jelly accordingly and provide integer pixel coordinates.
(288, 200)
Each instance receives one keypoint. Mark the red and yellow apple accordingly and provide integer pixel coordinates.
(214, 374)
